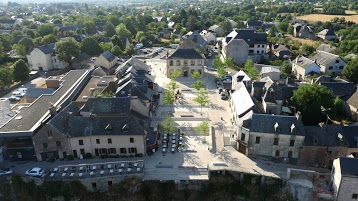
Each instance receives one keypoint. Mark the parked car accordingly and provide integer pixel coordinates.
(223, 96)
(5, 171)
(35, 172)
(14, 98)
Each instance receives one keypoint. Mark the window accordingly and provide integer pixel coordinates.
(132, 150)
(275, 141)
(277, 154)
(171, 63)
(58, 143)
(178, 62)
(192, 62)
(109, 140)
(123, 150)
(330, 68)
(82, 151)
(242, 137)
(49, 133)
(80, 142)
(45, 145)
(292, 143)
(112, 151)
(355, 196)
(257, 140)
(98, 141)
(131, 140)
(337, 61)
(341, 67)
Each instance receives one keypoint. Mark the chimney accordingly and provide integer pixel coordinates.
(298, 116)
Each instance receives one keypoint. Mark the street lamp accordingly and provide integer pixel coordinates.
(324, 111)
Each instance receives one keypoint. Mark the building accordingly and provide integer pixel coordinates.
(327, 34)
(274, 136)
(345, 179)
(17, 131)
(44, 58)
(281, 51)
(303, 66)
(107, 60)
(329, 63)
(244, 44)
(186, 61)
(322, 145)
(272, 72)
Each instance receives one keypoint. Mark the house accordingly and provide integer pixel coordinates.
(274, 136)
(44, 58)
(216, 30)
(106, 127)
(329, 63)
(186, 60)
(327, 34)
(322, 145)
(253, 24)
(197, 39)
(272, 72)
(18, 131)
(303, 66)
(281, 51)
(303, 31)
(350, 134)
(244, 44)
(106, 60)
(208, 36)
(344, 178)
(239, 79)
(164, 33)
(8, 23)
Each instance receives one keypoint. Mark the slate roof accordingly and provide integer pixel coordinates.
(324, 136)
(108, 56)
(249, 35)
(327, 32)
(303, 62)
(324, 58)
(349, 166)
(32, 114)
(350, 133)
(185, 53)
(107, 105)
(340, 89)
(264, 123)
(47, 49)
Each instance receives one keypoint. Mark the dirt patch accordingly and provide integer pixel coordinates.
(302, 40)
(326, 18)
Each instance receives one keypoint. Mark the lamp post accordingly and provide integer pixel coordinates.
(324, 111)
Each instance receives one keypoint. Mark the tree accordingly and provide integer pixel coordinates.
(168, 125)
(309, 98)
(109, 29)
(90, 46)
(204, 128)
(67, 48)
(122, 31)
(5, 77)
(350, 71)
(48, 39)
(116, 50)
(196, 75)
(198, 84)
(21, 70)
(250, 69)
(46, 29)
(203, 99)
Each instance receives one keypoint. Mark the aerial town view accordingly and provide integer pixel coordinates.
(164, 100)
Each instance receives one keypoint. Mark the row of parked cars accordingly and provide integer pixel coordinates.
(220, 85)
